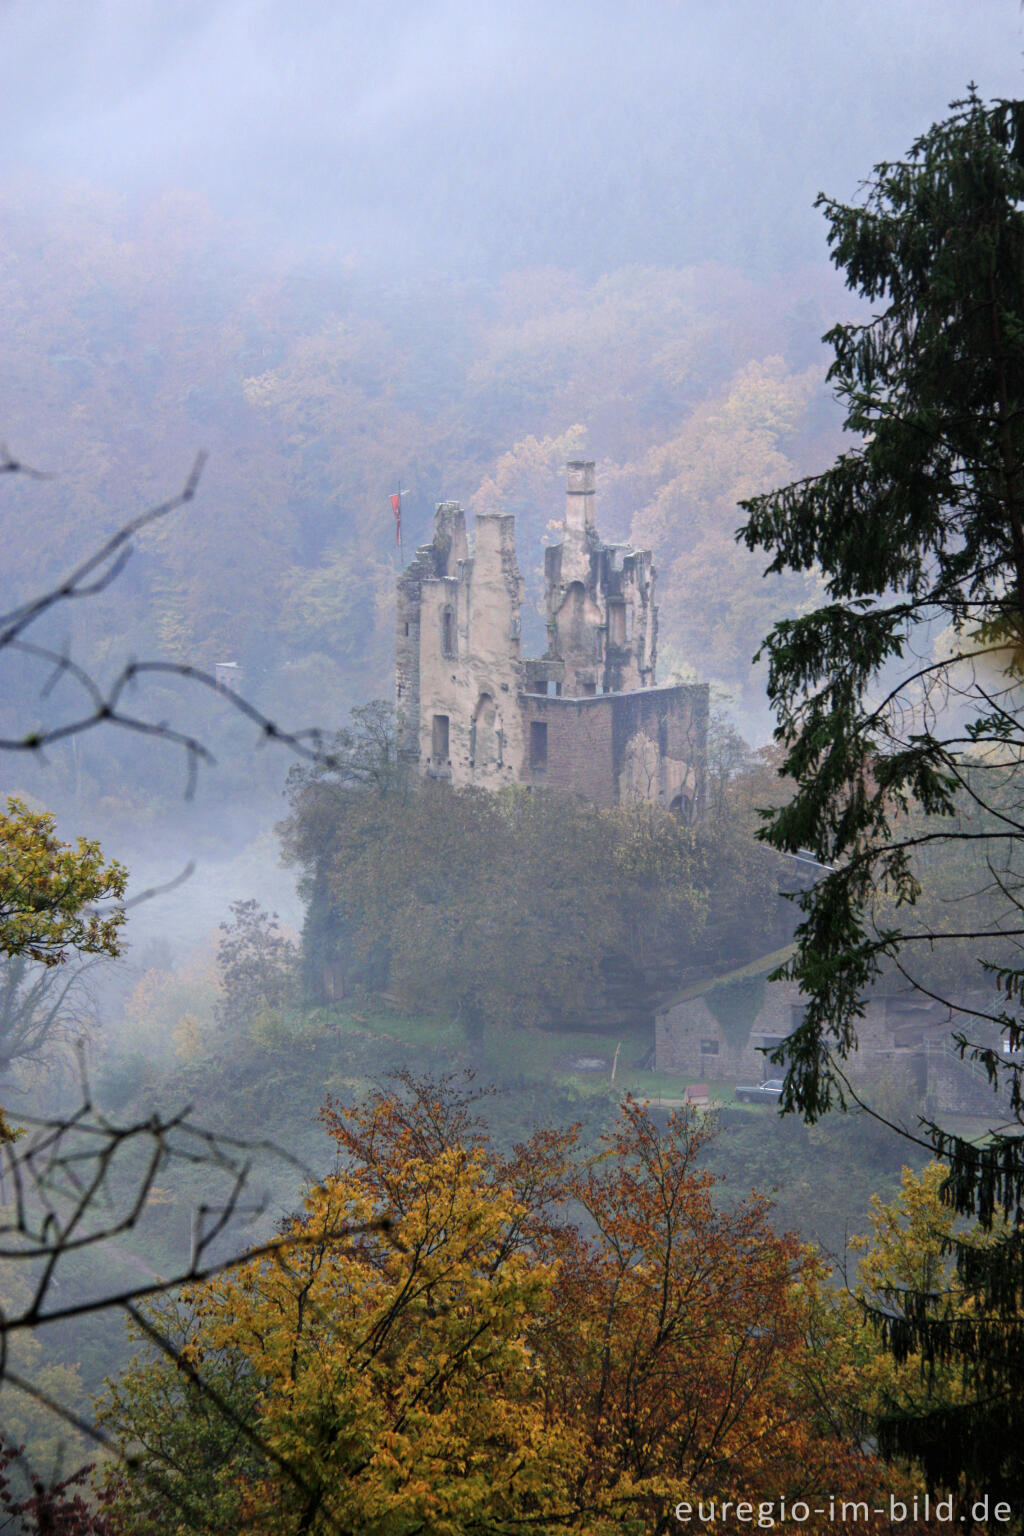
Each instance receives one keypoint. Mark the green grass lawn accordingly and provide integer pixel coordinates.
(531, 1054)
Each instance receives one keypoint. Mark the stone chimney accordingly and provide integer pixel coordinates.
(579, 498)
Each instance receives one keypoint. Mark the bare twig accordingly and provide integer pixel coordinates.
(104, 706)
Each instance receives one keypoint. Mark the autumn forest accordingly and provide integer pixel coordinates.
(384, 1153)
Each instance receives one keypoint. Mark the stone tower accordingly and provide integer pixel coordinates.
(587, 715)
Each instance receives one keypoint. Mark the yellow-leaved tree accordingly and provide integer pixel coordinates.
(49, 891)
(466, 1343)
(381, 1383)
(907, 1254)
(56, 900)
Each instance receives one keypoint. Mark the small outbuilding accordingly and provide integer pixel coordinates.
(723, 1029)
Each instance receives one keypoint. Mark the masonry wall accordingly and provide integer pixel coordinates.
(468, 665)
(580, 754)
(471, 708)
(658, 738)
(617, 747)
(952, 1088)
(407, 666)
(690, 1041)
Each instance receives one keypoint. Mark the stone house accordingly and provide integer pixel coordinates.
(721, 1030)
(586, 716)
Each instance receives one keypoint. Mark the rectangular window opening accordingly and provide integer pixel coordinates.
(439, 741)
(538, 744)
(616, 623)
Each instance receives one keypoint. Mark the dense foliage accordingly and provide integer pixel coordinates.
(511, 908)
(58, 903)
(50, 891)
(485, 1362)
(257, 965)
(129, 342)
(900, 710)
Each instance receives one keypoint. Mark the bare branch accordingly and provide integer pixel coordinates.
(68, 1180)
(115, 549)
(104, 708)
(9, 466)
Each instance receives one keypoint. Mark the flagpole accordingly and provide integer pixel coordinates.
(396, 507)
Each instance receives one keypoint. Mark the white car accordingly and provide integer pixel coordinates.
(769, 1091)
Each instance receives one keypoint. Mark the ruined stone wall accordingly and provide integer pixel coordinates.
(616, 747)
(441, 561)
(407, 665)
(658, 744)
(584, 717)
(468, 658)
(599, 600)
(578, 754)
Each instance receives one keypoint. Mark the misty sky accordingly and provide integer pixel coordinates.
(467, 137)
(422, 139)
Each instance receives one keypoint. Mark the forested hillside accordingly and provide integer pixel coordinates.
(260, 267)
(133, 337)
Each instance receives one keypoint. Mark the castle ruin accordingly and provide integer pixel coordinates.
(588, 715)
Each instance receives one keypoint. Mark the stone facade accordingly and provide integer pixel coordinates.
(585, 717)
(721, 1030)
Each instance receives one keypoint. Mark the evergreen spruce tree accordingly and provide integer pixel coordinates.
(900, 706)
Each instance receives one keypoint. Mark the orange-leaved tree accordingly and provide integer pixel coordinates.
(537, 1341)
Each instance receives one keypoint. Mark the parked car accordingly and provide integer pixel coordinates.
(768, 1092)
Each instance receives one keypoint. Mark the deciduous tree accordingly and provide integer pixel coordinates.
(40, 1006)
(257, 965)
(453, 897)
(387, 1384)
(485, 1364)
(49, 891)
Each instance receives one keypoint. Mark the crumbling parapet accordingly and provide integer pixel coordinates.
(470, 706)
(599, 601)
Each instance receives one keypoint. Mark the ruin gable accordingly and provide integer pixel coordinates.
(587, 716)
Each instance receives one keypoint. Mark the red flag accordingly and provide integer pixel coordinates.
(396, 507)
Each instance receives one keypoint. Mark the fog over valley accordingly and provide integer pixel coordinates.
(441, 867)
